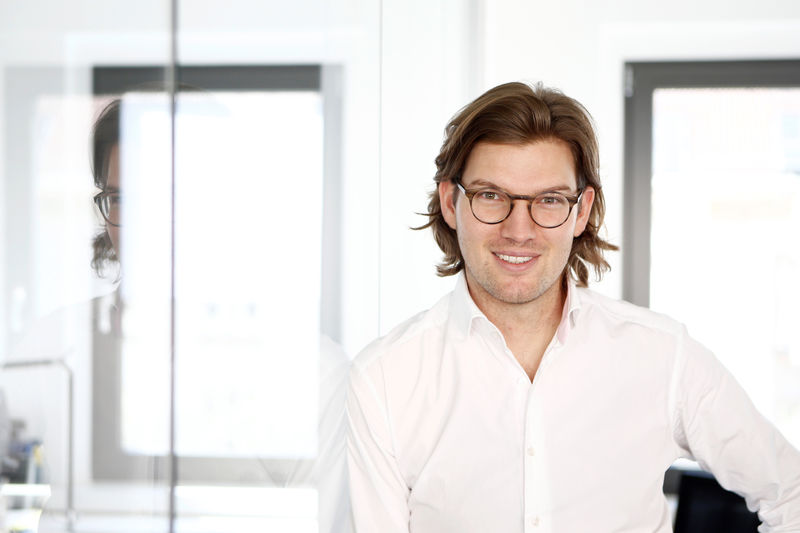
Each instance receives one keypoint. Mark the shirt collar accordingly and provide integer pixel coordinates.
(571, 306)
(464, 312)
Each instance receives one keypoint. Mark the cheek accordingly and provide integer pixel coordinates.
(556, 239)
(473, 236)
(563, 242)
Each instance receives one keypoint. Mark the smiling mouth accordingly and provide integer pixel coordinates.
(513, 259)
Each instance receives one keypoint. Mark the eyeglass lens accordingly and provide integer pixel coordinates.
(110, 205)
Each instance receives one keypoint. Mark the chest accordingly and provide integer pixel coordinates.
(482, 448)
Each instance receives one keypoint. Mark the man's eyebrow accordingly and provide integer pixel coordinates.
(482, 183)
(559, 188)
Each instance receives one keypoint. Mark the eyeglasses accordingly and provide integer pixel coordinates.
(109, 204)
(492, 206)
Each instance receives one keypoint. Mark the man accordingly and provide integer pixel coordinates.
(522, 401)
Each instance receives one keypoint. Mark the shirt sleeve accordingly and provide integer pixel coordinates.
(721, 429)
(331, 470)
(378, 492)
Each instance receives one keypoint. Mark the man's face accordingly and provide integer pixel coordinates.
(515, 261)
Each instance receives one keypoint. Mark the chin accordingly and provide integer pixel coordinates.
(516, 295)
(519, 298)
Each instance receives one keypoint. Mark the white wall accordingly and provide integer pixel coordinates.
(427, 74)
(581, 47)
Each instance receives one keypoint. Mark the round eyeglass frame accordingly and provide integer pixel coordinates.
(98, 201)
(470, 194)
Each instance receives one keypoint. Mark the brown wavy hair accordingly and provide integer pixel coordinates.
(517, 113)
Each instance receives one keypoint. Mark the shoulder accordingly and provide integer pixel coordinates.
(405, 340)
(619, 313)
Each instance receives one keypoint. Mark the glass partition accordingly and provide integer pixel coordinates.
(185, 274)
(80, 293)
(173, 263)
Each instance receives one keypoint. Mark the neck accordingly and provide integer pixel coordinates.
(528, 328)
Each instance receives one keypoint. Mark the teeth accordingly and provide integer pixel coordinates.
(514, 259)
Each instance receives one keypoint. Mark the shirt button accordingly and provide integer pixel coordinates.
(531, 452)
(533, 521)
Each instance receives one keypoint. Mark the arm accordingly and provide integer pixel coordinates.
(719, 426)
(378, 492)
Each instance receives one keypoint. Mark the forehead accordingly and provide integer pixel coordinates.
(525, 167)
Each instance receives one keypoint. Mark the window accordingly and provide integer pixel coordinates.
(712, 203)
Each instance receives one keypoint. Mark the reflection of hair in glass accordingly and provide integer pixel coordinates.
(105, 135)
(516, 113)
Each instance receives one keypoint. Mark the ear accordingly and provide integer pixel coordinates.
(447, 190)
(584, 209)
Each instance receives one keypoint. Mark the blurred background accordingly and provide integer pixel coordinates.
(205, 211)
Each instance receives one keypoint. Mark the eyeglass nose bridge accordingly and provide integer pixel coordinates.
(513, 198)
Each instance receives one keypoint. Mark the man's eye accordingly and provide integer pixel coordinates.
(550, 200)
(490, 196)
(114, 199)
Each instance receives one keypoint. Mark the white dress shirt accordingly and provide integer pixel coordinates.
(448, 434)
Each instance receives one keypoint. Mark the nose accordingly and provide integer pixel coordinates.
(518, 226)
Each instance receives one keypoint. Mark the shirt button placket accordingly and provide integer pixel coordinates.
(533, 500)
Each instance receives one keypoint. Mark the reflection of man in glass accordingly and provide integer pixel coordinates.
(523, 401)
(55, 338)
(105, 168)
(326, 472)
